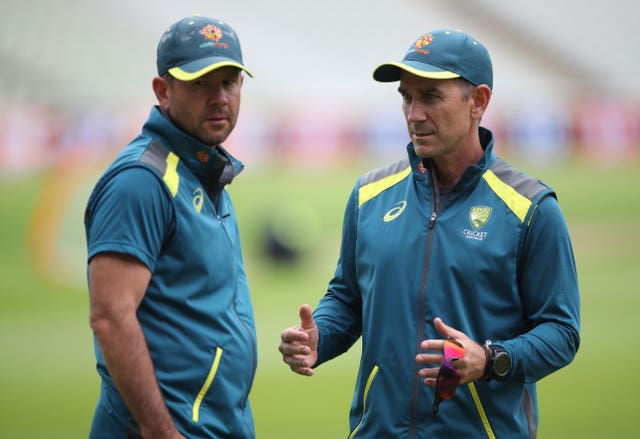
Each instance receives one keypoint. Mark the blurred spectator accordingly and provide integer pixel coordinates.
(289, 231)
(608, 129)
(25, 138)
(540, 132)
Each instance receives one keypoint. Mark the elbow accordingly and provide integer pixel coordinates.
(106, 321)
(574, 342)
(99, 322)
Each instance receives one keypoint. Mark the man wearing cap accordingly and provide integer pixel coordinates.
(171, 313)
(449, 243)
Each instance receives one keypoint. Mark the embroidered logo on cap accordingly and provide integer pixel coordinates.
(213, 34)
(423, 41)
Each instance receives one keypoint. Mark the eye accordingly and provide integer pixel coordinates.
(406, 97)
(431, 95)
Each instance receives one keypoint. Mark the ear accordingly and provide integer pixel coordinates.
(160, 88)
(481, 97)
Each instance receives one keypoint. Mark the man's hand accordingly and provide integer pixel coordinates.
(470, 368)
(299, 345)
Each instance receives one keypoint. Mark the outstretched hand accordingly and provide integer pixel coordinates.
(470, 367)
(299, 344)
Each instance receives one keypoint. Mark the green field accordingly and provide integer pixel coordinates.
(48, 384)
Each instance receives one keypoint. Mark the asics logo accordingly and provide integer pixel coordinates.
(395, 212)
(198, 199)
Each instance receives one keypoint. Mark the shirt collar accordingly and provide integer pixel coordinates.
(205, 162)
(486, 141)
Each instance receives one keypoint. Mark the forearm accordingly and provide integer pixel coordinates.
(542, 351)
(132, 370)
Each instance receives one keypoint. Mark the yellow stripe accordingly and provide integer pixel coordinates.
(195, 412)
(182, 75)
(171, 177)
(370, 190)
(481, 412)
(518, 204)
(423, 74)
(372, 375)
(532, 214)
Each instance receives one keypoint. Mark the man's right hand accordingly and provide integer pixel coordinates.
(299, 345)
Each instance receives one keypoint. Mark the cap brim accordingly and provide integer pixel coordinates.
(390, 72)
(196, 69)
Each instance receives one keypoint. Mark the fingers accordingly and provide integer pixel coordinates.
(470, 365)
(427, 359)
(299, 364)
(298, 356)
(446, 330)
(432, 360)
(306, 319)
(429, 375)
(298, 344)
(306, 371)
(294, 334)
(432, 345)
(293, 342)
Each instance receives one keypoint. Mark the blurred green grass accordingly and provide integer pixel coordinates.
(48, 384)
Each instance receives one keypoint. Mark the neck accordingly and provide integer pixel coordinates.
(450, 169)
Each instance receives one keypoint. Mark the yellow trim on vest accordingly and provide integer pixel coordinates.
(171, 177)
(372, 375)
(481, 412)
(195, 411)
(370, 190)
(518, 204)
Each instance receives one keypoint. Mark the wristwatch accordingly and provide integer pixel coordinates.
(498, 363)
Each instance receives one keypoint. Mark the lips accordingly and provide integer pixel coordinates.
(419, 131)
(217, 118)
(422, 135)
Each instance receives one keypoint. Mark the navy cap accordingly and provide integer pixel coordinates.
(442, 54)
(196, 45)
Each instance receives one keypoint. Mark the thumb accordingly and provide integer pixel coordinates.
(443, 329)
(306, 320)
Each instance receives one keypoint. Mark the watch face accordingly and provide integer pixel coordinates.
(502, 363)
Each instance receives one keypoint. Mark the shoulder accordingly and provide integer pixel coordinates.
(520, 192)
(380, 179)
(522, 183)
(133, 180)
(399, 169)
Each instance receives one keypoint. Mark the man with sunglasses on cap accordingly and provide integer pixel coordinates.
(456, 269)
(171, 313)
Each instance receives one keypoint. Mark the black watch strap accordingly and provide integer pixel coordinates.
(488, 367)
(498, 363)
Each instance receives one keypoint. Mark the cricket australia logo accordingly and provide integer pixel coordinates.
(478, 218)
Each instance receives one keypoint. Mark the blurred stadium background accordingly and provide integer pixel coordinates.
(75, 86)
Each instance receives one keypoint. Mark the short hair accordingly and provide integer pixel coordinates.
(466, 86)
